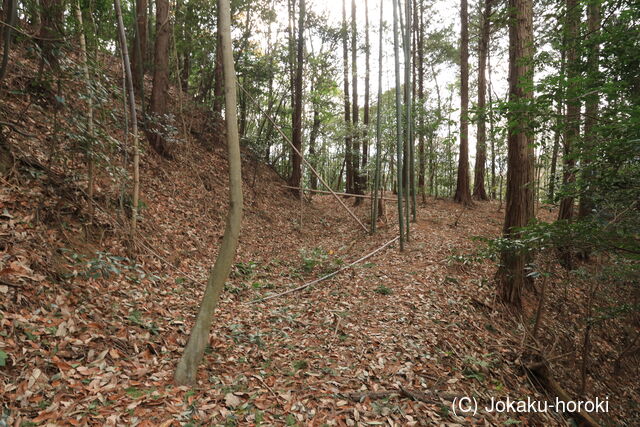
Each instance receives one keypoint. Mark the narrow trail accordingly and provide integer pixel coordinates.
(401, 320)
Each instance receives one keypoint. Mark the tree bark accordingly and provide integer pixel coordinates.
(50, 33)
(420, 63)
(377, 178)
(140, 47)
(557, 131)
(218, 87)
(347, 103)
(218, 90)
(194, 351)
(11, 14)
(572, 122)
(185, 55)
(491, 129)
(399, 139)
(366, 112)
(511, 275)
(159, 91)
(592, 102)
(313, 136)
(573, 107)
(355, 110)
(134, 120)
(410, 149)
(296, 161)
(463, 191)
(479, 191)
(89, 130)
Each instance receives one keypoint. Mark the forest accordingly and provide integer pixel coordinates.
(306, 212)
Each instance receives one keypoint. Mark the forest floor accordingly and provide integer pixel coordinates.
(91, 330)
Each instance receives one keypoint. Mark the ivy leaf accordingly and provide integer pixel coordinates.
(3, 358)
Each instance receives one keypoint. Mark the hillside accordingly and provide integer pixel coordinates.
(93, 324)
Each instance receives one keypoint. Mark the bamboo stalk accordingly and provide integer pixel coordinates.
(363, 196)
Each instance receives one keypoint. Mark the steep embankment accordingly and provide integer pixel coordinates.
(74, 296)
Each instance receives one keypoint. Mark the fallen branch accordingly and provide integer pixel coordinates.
(273, 393)
(373, 395)
(313, 282)
(455, 224)
(10, 284)
(17, 129)
(541, 372)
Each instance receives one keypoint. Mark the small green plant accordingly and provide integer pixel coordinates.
(136, 318)
(260, 285)
(105, 265)
(245, 269)
(383, 290)
(235, 289)
(134, 393)
(312, 258)
(318, 257)
(300, 365)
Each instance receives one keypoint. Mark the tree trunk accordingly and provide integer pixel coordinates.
(592, 102)
(313, 136)
(573, 106)
(410, 149)
(420, 63)
(134, 120)
(587, 206)
(366, 118)
(479, 191)
(218, 90)
(218, 87)
(347, 102)
(572, 120)
(150, 33)
(159, 91)
(558, 122)
(463, 192)
(89, 154)
(296, 161)
(376, 179)
(50, 33)
(11, 13)
(491, 130)
(140, 47)
(185, 55)
(511, 273)
(194, 351)
(399, 139)
(355, 114)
